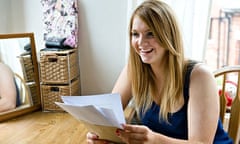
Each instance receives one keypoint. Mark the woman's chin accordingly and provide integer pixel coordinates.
(146, 61)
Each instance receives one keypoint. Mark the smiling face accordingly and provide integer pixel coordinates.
(145, 43)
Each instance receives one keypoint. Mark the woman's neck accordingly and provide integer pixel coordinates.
(158, 71)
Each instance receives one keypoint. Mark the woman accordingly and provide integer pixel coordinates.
(176, 99)
(8, 92)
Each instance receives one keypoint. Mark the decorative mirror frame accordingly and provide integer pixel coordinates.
(17, 112)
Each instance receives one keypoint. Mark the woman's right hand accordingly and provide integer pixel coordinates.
(93, 138)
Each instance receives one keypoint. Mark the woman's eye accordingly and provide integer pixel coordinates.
(150, 34)
(134, 34)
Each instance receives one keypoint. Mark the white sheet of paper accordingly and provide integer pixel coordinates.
(103, 109)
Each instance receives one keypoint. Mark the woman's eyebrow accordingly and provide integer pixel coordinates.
(145, 31)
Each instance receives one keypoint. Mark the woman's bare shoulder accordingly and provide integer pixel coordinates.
(5, 69)
(201, 70)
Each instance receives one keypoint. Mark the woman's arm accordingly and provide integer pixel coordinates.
(203, 108)
(7, 89)
(203, 114)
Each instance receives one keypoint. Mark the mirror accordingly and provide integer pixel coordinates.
(18, 51)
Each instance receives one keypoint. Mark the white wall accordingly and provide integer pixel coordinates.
(102, 35)
(4, 6)
(26, 16)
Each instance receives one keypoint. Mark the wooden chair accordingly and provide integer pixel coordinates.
(228, 81)
(23, 90)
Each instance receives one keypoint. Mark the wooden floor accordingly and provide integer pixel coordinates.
(43, 128)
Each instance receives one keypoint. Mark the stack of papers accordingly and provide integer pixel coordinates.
(101, 114)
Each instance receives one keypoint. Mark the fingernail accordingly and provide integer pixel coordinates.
(118, 132)
(95, 137)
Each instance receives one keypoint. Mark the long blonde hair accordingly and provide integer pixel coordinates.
(162, 22)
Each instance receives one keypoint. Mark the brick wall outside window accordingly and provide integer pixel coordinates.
(223, 46)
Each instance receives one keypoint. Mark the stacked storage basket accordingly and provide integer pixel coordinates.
(28, 74)
(59, 77)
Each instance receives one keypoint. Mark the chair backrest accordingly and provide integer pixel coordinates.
(228, 80)
(23, 90)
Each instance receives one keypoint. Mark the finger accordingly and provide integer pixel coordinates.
(132, 141)
(134, 128)
(131, 136)
(93, 138)
(137, 136)
(89, 141)
(91, 135)
(132, 132)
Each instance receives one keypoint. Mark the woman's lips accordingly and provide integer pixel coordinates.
(146, 51)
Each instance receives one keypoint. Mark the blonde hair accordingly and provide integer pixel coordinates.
(162, 22)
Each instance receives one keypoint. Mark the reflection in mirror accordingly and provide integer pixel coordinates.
(18, 67)
(8, 89)
(17, 51)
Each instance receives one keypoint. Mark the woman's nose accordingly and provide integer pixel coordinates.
(142, 41)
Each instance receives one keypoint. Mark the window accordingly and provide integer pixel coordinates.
(223, 46)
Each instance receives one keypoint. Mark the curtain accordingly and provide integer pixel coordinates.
(10, 49)
(193, 17)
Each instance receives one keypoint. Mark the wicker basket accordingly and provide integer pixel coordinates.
(52, 93)
(58, 66)
(27, 67)
(33, 91)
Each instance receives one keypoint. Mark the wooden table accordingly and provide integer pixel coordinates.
(43, 128)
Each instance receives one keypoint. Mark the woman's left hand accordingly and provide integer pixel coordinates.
(136, 134)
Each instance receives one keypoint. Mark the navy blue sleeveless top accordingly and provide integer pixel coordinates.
(177, 126)
(18, 101)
